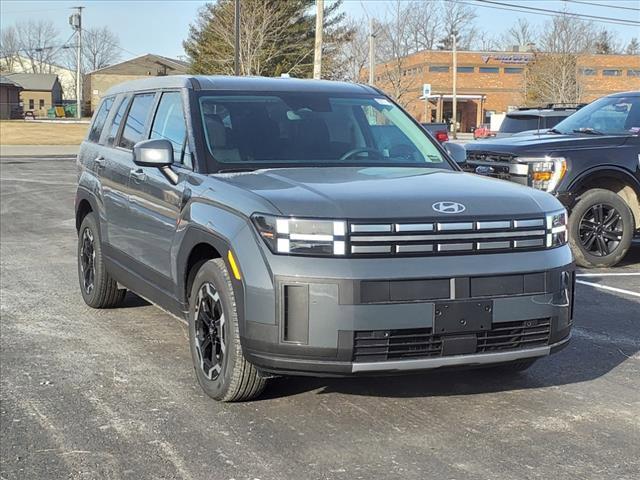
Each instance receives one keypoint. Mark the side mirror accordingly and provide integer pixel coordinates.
(153, 153)
(456, 151)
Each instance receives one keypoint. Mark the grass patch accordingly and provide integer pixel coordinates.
(21, 132)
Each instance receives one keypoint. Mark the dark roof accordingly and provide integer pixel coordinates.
(34, 81)
(257, 84)
(5, 82)
(635, 93)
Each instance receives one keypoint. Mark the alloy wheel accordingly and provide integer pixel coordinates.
(87, 261)
(600, 230)
(210, 331)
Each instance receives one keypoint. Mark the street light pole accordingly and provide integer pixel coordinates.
(75, 21)
(372, 52)
(236, 65)
(454, 117)
(317, 58)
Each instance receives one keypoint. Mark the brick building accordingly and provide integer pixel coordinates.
(490, 82)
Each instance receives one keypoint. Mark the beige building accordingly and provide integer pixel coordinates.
(18, 64)
(96, 83)
(40, 91)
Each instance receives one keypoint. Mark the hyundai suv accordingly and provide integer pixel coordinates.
(312, 228)
(591, 162)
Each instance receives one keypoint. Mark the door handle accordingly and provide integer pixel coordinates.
(138, 175)
(99, 162)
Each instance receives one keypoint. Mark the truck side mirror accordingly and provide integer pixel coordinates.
(456, 151)
(153, 153)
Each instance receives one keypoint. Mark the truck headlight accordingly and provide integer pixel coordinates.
(545, 173)
(556, 228)
(301, 236)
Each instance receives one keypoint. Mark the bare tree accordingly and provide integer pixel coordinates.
(395, 44)
(424, 24)
(9, 49)
(553, 76)
(37, 47)
(354, 54)
(522, 33)
(100, 48)
(459, 19)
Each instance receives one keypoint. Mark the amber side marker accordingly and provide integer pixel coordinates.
(234, 266)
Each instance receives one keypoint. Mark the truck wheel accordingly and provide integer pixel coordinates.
(221, 369)
(98, 289)
(600, 229)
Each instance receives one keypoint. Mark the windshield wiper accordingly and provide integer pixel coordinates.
(587, 130)
(553, 130)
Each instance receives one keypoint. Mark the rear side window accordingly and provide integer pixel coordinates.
(117, 119)
(136, 119)
(101, 117)
(169, 124)
(518, 123)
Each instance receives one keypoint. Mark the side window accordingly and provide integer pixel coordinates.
(134, 125)
(115, 125)
(169, 124)
(101, 117)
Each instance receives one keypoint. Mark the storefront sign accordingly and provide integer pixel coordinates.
(518, 59)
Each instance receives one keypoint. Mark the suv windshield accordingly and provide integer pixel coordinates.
(607, 116)
(312, 129)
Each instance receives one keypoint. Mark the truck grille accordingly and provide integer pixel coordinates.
(489, 157)
(497, 165)
(381, 345)
(441, 238)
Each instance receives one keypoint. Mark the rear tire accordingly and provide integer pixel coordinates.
(221, 368)
(98, 289)
(601, 228)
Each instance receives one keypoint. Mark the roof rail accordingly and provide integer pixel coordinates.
(556, 106)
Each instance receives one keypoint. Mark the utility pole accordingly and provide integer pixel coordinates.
(372, 53)
(454, 117)
(317, 57)
(236, 65)
(75, 20)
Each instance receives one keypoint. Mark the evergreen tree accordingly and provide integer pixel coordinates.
(276, 37)
(634, 47)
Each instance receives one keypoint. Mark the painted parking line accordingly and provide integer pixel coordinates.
(626, 274)
(606, 287)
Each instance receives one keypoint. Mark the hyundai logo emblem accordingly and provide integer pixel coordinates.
(484, 170)
(448, 207)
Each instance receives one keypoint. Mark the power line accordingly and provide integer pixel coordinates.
(549, 13)
(604, 6)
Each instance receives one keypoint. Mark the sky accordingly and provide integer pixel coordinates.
(160, 26)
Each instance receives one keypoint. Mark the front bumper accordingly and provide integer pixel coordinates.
(338, 327)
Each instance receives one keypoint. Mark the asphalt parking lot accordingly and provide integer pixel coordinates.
(89, 394)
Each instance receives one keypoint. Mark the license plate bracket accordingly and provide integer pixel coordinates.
(462, 316)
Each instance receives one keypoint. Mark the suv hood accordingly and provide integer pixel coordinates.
(387, 192)
(549, 142)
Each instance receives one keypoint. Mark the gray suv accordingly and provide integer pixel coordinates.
(312, 228)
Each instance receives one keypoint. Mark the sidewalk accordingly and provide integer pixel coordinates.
(38, 150)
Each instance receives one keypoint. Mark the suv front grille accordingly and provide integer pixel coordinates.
(438, 238)
(382, 345)
(490, 157)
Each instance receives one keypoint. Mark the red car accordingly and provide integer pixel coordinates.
(483, 131)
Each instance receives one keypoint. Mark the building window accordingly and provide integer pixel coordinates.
(489, 69)
(31, 104)
(466, 69)
(611, 72)
(513, 69)
(589, 72)
(41, 103)
(633, 73)
(439, 68)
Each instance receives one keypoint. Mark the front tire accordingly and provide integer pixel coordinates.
(601, 228)
(221, 369)
(98, 289)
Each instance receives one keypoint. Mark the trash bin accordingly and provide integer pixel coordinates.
(70, 110)
(51, 113)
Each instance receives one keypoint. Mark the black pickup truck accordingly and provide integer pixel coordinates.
(591, 162)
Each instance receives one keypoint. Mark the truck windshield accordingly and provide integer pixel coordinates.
(305, 129)
(518, 123)
(606, 116)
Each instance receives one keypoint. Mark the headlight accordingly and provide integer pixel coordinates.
(545, 173)
(557, 228)
(301, 236)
